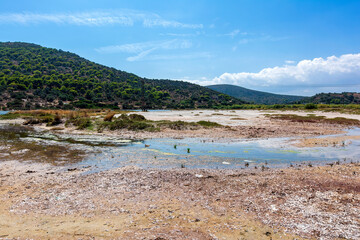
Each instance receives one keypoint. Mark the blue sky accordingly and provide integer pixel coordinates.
(292, 47)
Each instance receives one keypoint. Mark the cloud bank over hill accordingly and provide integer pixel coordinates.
(316, 75)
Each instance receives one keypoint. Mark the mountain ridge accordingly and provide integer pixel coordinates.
(254, 96)
(32, 76)
(333, 98)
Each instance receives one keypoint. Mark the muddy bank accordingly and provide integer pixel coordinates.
(42, 201)
(265, 129)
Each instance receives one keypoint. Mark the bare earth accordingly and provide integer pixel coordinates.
(40, 201)
(239, 124)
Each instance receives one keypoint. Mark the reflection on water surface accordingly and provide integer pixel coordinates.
(105, 152)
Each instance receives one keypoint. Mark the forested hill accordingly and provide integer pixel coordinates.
(334, 98)
(253, 96)
(32, 76)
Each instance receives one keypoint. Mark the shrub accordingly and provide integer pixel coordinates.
(139, 126)
(137, 117)
(57, 120)
(178, 125)
(31, 121)
(80, 122)
(118, 124)
(209, 124)
(310, 106)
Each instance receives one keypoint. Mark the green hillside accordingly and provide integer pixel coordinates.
(32, 76)
(334, 98)
(253, 96)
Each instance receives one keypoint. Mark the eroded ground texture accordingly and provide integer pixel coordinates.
(41, 201)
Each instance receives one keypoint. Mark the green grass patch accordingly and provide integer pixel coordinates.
(209, 124)
(79, 122)
(10, 116)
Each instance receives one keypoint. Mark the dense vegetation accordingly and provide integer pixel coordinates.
(253, 96)
(334, 98)
(33, 77)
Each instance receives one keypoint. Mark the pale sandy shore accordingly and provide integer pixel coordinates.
(233, 117)
(39, 201)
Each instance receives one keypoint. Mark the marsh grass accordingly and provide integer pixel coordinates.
(12, 136)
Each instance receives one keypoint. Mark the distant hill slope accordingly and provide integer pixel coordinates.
(32, 76)
(334, 98)
(254, 96)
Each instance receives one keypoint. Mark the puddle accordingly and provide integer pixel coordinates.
(103, 153)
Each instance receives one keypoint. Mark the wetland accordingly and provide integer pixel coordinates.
(253, 174)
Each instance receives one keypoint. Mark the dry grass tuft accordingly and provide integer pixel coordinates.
(109, 117)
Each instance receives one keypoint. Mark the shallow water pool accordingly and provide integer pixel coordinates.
(199, 153)
(104, 152)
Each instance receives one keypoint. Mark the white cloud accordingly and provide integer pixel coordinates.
(142, 46)
(96, 18)
(143, 49)
(261, 38)
(289, 62)
(233, 33)
(197, 33)
(317, 74)
(194, 55)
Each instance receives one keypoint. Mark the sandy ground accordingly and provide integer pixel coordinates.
(233, 117)
(40, 201)
(238, 124)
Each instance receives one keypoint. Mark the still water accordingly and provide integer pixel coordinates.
(102, 153)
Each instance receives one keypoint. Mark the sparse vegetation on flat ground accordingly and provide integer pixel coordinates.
(95, 120)
(341, 108)
(316, 119)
